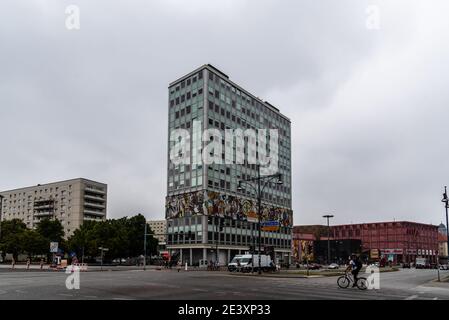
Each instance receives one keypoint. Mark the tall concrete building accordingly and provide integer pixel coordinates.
(159, 228)
(71, 201)
(209, 216)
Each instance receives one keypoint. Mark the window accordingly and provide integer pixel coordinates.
(200, 75)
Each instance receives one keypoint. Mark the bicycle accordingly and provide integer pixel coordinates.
(345, 280)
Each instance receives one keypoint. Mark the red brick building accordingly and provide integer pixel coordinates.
(398, 242)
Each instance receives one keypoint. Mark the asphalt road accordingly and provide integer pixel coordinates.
(199, 285)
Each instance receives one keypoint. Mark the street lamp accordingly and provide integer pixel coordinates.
(328, 216)
(145, 235)
(1, 208)
(445, 200)
(259, 191)
(102, 250)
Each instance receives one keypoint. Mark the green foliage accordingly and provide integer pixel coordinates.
(33, 243)
(52, 230)
(10, 240)
(123, 237)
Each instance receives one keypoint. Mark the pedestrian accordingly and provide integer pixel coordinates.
(42, 263)
(179, 265)
(28, 263)
(13, 263)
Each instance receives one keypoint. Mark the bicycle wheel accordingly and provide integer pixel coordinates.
(362, 283)
(343, 282)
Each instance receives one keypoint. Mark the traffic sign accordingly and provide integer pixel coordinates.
(54, 247)
(270, 225)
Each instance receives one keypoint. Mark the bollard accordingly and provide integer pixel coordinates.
(186, 266)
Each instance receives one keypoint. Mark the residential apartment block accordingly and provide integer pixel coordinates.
(159, 228)
(71, 201)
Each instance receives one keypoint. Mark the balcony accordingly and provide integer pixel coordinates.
(43, 214)
(94, 197)
(94, 205)
(88, 189)
(94, 213)
(43, 206)
(89, 218)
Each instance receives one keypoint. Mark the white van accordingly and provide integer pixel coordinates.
(244, 263)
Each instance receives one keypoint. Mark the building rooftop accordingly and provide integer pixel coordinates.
(50, 183)
(219, 72)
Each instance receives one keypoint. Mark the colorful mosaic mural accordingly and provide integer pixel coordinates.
(217, 204)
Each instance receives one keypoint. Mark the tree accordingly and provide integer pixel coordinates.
(10, 240)
(81, 241)
(52, 230)
(33, 243)
(123, 237)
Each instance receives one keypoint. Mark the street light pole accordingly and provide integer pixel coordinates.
(145, 247)
(217, 228)
(259, 189)
(328, 216)
(1, 208)
(446, 202)
(259, 214)
(102, 249)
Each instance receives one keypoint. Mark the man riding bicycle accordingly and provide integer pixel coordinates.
(355, 265)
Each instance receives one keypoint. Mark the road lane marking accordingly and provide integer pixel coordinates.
(411, 297)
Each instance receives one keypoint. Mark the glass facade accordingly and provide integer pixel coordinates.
(208, 96)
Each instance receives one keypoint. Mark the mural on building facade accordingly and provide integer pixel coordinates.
(302, 250)
(222, 205)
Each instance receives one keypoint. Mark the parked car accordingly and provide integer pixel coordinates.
(333, 266)
(314, 266)
(406, 265)
(444, 267)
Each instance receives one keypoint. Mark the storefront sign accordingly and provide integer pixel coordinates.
(392, 251)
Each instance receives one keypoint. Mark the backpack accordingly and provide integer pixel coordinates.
(358, 264)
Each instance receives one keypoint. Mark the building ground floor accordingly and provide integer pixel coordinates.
(221, 254)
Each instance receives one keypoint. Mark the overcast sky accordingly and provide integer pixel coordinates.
(369, 107)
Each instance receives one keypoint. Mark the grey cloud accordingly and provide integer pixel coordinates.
(368, 108)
